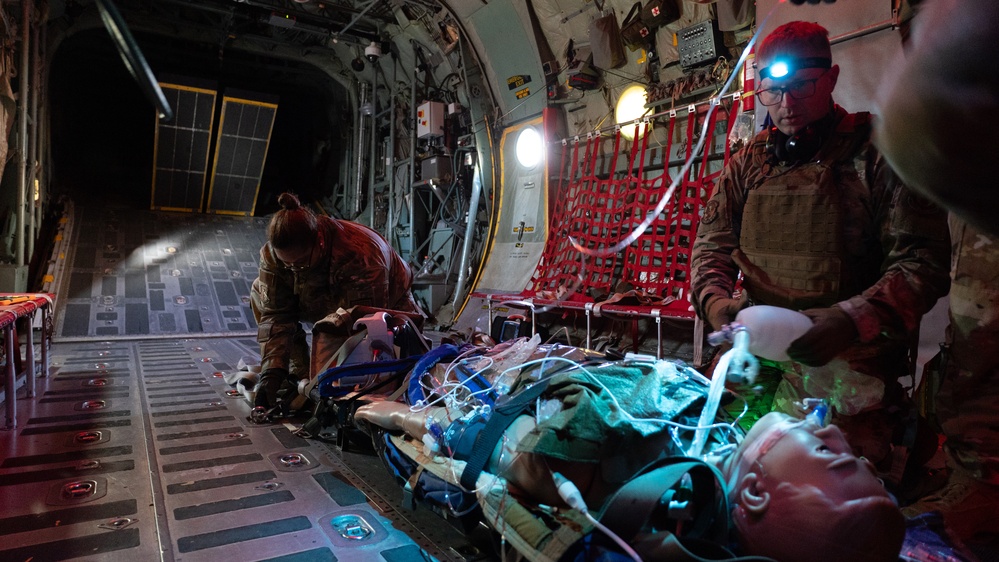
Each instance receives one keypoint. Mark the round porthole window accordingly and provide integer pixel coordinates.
(530, 148)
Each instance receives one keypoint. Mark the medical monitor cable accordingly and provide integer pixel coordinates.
(570, 493)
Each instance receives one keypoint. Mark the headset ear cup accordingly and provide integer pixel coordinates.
(777, 144)
(793, 148)
(773, 142)
(804, 144)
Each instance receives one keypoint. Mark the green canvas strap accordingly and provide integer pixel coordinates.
(630, 509)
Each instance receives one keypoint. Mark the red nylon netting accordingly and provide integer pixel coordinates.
(599, 208)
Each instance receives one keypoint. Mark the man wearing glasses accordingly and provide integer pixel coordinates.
(814, 220)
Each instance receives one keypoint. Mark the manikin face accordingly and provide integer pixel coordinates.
(807, 95)
(800, 494)
(821, 457)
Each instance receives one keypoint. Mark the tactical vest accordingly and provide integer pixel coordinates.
(792, 224)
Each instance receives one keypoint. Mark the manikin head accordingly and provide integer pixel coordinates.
(799, 493)
(294, 235)
(796, 75)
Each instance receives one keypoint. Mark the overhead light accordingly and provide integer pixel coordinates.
(530, 148)
(631, 107)
(373, 52)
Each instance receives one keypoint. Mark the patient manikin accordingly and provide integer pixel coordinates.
(796, 490)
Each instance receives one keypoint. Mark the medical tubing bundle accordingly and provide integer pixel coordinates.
(500, 409)
(746, 368)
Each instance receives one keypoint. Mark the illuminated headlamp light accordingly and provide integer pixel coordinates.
(785, 67)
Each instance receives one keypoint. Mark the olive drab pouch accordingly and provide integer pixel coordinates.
(925, 394)
(636, 33)
(656, 13)
(606, 41)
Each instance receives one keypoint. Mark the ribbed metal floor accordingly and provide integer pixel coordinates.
(141, 273)
(135, 450)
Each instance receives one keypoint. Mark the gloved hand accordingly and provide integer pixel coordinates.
(267, 388)
(832, 332)
(721, 311)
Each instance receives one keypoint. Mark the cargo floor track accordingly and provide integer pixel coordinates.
(135, 448)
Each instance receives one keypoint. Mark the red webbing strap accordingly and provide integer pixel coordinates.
(708, 180)
(598, 212)
(600, 221)
(694, 195)
(560, 198)
(732, 113)
(555, 270)
(645, 258)
(690, 197)
(581, 215)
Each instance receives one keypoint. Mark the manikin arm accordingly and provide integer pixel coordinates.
(529, 473)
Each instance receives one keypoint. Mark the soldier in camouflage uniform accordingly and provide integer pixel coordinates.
(967, 402)
(939, 130)
(815, 221)
(310, 267)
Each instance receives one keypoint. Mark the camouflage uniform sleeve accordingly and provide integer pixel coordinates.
(713, 272)
(367, 286)
(401, 284)
(916, 268)
(364, 279)
(275, 307)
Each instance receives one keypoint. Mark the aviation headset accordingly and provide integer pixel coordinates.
(794, 148)
(802, 145)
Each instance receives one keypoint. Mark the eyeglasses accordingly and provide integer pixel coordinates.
(300, 264)
(798, 90)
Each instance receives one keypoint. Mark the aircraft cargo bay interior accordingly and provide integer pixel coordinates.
(467, 280)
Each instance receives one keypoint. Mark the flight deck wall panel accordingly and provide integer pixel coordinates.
(240, 152)
(180, 159)
(504, 27)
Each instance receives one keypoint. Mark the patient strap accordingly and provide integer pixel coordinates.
(675, 510)
(500, 419)
(329, 378)
(635, 505)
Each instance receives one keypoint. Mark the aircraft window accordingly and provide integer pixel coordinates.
(530, 148)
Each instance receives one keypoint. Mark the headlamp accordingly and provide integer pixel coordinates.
(785, 66)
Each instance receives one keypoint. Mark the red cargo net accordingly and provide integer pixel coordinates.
(599, 208)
